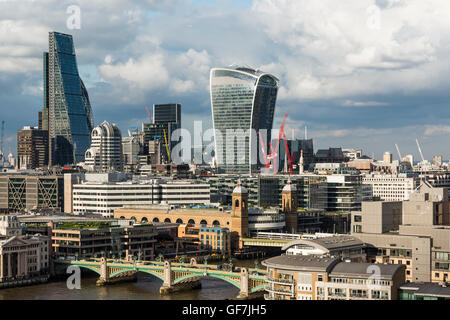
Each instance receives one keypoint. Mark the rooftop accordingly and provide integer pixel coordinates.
(366, 270)
(299, 263)
(427, 289)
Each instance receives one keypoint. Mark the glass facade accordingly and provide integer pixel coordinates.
(70, 113)
(241, 99)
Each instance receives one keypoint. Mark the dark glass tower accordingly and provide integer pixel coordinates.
(70, 119)
(241, 99)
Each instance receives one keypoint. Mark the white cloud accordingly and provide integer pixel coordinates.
(329, 51)
(436, 130)
(350, 103)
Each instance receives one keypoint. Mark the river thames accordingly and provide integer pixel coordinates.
(145, 288)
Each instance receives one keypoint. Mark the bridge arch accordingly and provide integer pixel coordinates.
(144, 220)
(235, 283)
(112, 275)
(179, 221)
(66, 265)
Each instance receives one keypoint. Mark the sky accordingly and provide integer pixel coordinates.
(358, 73)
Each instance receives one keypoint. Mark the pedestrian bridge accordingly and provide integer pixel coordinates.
(174, 275)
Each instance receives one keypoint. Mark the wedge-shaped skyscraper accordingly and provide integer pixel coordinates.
(243, 104)
(66, 102)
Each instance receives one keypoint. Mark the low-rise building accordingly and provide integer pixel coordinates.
(24, 257)
(296, 277)
(88, 239)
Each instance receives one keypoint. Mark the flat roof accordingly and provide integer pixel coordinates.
(366, 270)
(301, 263)
(427, 289)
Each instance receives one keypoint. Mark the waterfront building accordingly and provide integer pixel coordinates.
(242, 100)
(32, 148)
(342, 246)
(66, 102)
(296, 277)
(20, 192)
(24, 257)
(391, 187)
(424, 291)
(105, 153)
(96, 238)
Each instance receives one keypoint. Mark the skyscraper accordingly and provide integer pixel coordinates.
(169, 112)
(105, 153)
(242, 100)
(70, 119)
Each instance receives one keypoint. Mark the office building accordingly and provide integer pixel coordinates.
(105, 153)
(387, 157)
(89, 239)
(32, 148)
(66, 102)
(297, 277)
(345, 192)
(242, 100)
(102, 196)
(26, 192)
(330, 155)
(167, 113)
(391, 187)
(131, 148)
(414, 232)
(352, 154)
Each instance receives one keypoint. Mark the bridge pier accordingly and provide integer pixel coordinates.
(169, 287)
(105, 277)
(244, 293)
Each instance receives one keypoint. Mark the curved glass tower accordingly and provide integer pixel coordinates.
(70, 119)
(243, 102)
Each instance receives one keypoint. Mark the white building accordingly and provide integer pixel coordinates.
(10, 226)
(103, 197)
(105, 153)
(24, 256)
(352, 154)
(391, 187)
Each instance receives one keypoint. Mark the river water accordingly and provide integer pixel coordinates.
(145, 288)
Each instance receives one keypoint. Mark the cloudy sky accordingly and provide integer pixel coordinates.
(359, 73)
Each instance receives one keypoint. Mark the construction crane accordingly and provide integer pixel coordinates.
(273, 154)
(167, 146)
(399, 154)
(420, 150)
(1, 140)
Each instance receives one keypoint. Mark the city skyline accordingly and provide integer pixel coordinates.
(368, 88)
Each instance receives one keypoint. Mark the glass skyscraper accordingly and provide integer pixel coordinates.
(242, 100)
(70, 120)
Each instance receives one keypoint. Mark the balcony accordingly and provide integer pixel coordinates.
(279, 280)
(279, 290)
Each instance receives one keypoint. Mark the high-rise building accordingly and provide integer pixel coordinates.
(242, 100)
(387, 157)
(70, 119)
(105, 153)
(32, 148)
(169, 112)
